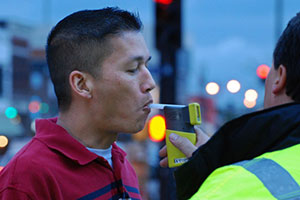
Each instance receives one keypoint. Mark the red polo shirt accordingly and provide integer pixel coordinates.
(53, 165)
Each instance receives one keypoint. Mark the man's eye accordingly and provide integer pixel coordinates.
(132, 70)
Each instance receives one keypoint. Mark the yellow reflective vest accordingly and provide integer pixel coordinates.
(273, 175)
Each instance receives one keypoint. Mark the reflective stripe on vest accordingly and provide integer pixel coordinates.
(274, 177)
(270, 176)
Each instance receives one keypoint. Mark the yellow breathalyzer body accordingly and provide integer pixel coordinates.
(180, 120)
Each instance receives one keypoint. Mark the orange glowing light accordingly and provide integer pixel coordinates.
(157, 128)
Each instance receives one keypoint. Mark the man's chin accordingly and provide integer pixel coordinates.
(138, 129)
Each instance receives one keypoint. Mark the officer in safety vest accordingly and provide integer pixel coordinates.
(256, 156)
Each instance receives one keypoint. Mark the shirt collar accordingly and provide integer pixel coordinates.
(57, 138)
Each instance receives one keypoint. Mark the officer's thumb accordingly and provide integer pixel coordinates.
(183, 144)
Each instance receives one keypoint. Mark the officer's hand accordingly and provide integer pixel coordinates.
(184, 145)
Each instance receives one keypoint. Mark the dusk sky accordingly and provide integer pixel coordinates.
(225, 39)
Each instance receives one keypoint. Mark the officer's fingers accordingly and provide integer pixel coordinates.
(202, 137)
(163, 151)
(163, 154)
(183, 144)
(164, 162)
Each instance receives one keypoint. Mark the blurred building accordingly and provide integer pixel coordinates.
(25, 89)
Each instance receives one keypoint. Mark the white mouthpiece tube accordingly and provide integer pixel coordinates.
(161, 106)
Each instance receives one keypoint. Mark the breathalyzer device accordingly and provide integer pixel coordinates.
(180, 119)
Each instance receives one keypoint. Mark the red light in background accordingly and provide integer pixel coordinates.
(34, 106)
(165, 2)
(262, 71)
(157, 128)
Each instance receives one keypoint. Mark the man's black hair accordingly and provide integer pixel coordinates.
(80, 41)
(287, 53)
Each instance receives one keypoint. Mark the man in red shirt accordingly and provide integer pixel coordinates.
(98, 64)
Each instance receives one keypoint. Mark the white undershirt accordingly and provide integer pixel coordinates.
(105, 153)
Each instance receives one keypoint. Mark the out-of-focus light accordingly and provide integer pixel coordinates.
(157, 128)
(1, 167)
(262, 71)
(249, 104)
(3, 141)
(11, 112)
(34, 106)
(165, 2)
(233, 86)
(212, 88)
(44, 108)
(251, 95)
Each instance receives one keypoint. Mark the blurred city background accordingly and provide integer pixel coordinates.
(213, 52)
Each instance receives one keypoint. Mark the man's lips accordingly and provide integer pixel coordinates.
(146, 107)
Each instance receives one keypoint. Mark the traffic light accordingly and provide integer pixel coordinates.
(168, 24)
(262, 71)
(157, 128)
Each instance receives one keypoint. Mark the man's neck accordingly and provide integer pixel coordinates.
(84, 131)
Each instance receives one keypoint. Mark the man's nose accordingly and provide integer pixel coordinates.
(148, 81)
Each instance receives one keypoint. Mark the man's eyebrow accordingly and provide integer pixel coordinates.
(140, 58)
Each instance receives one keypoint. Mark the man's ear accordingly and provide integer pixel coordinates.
(280, 80)
(80, 83)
